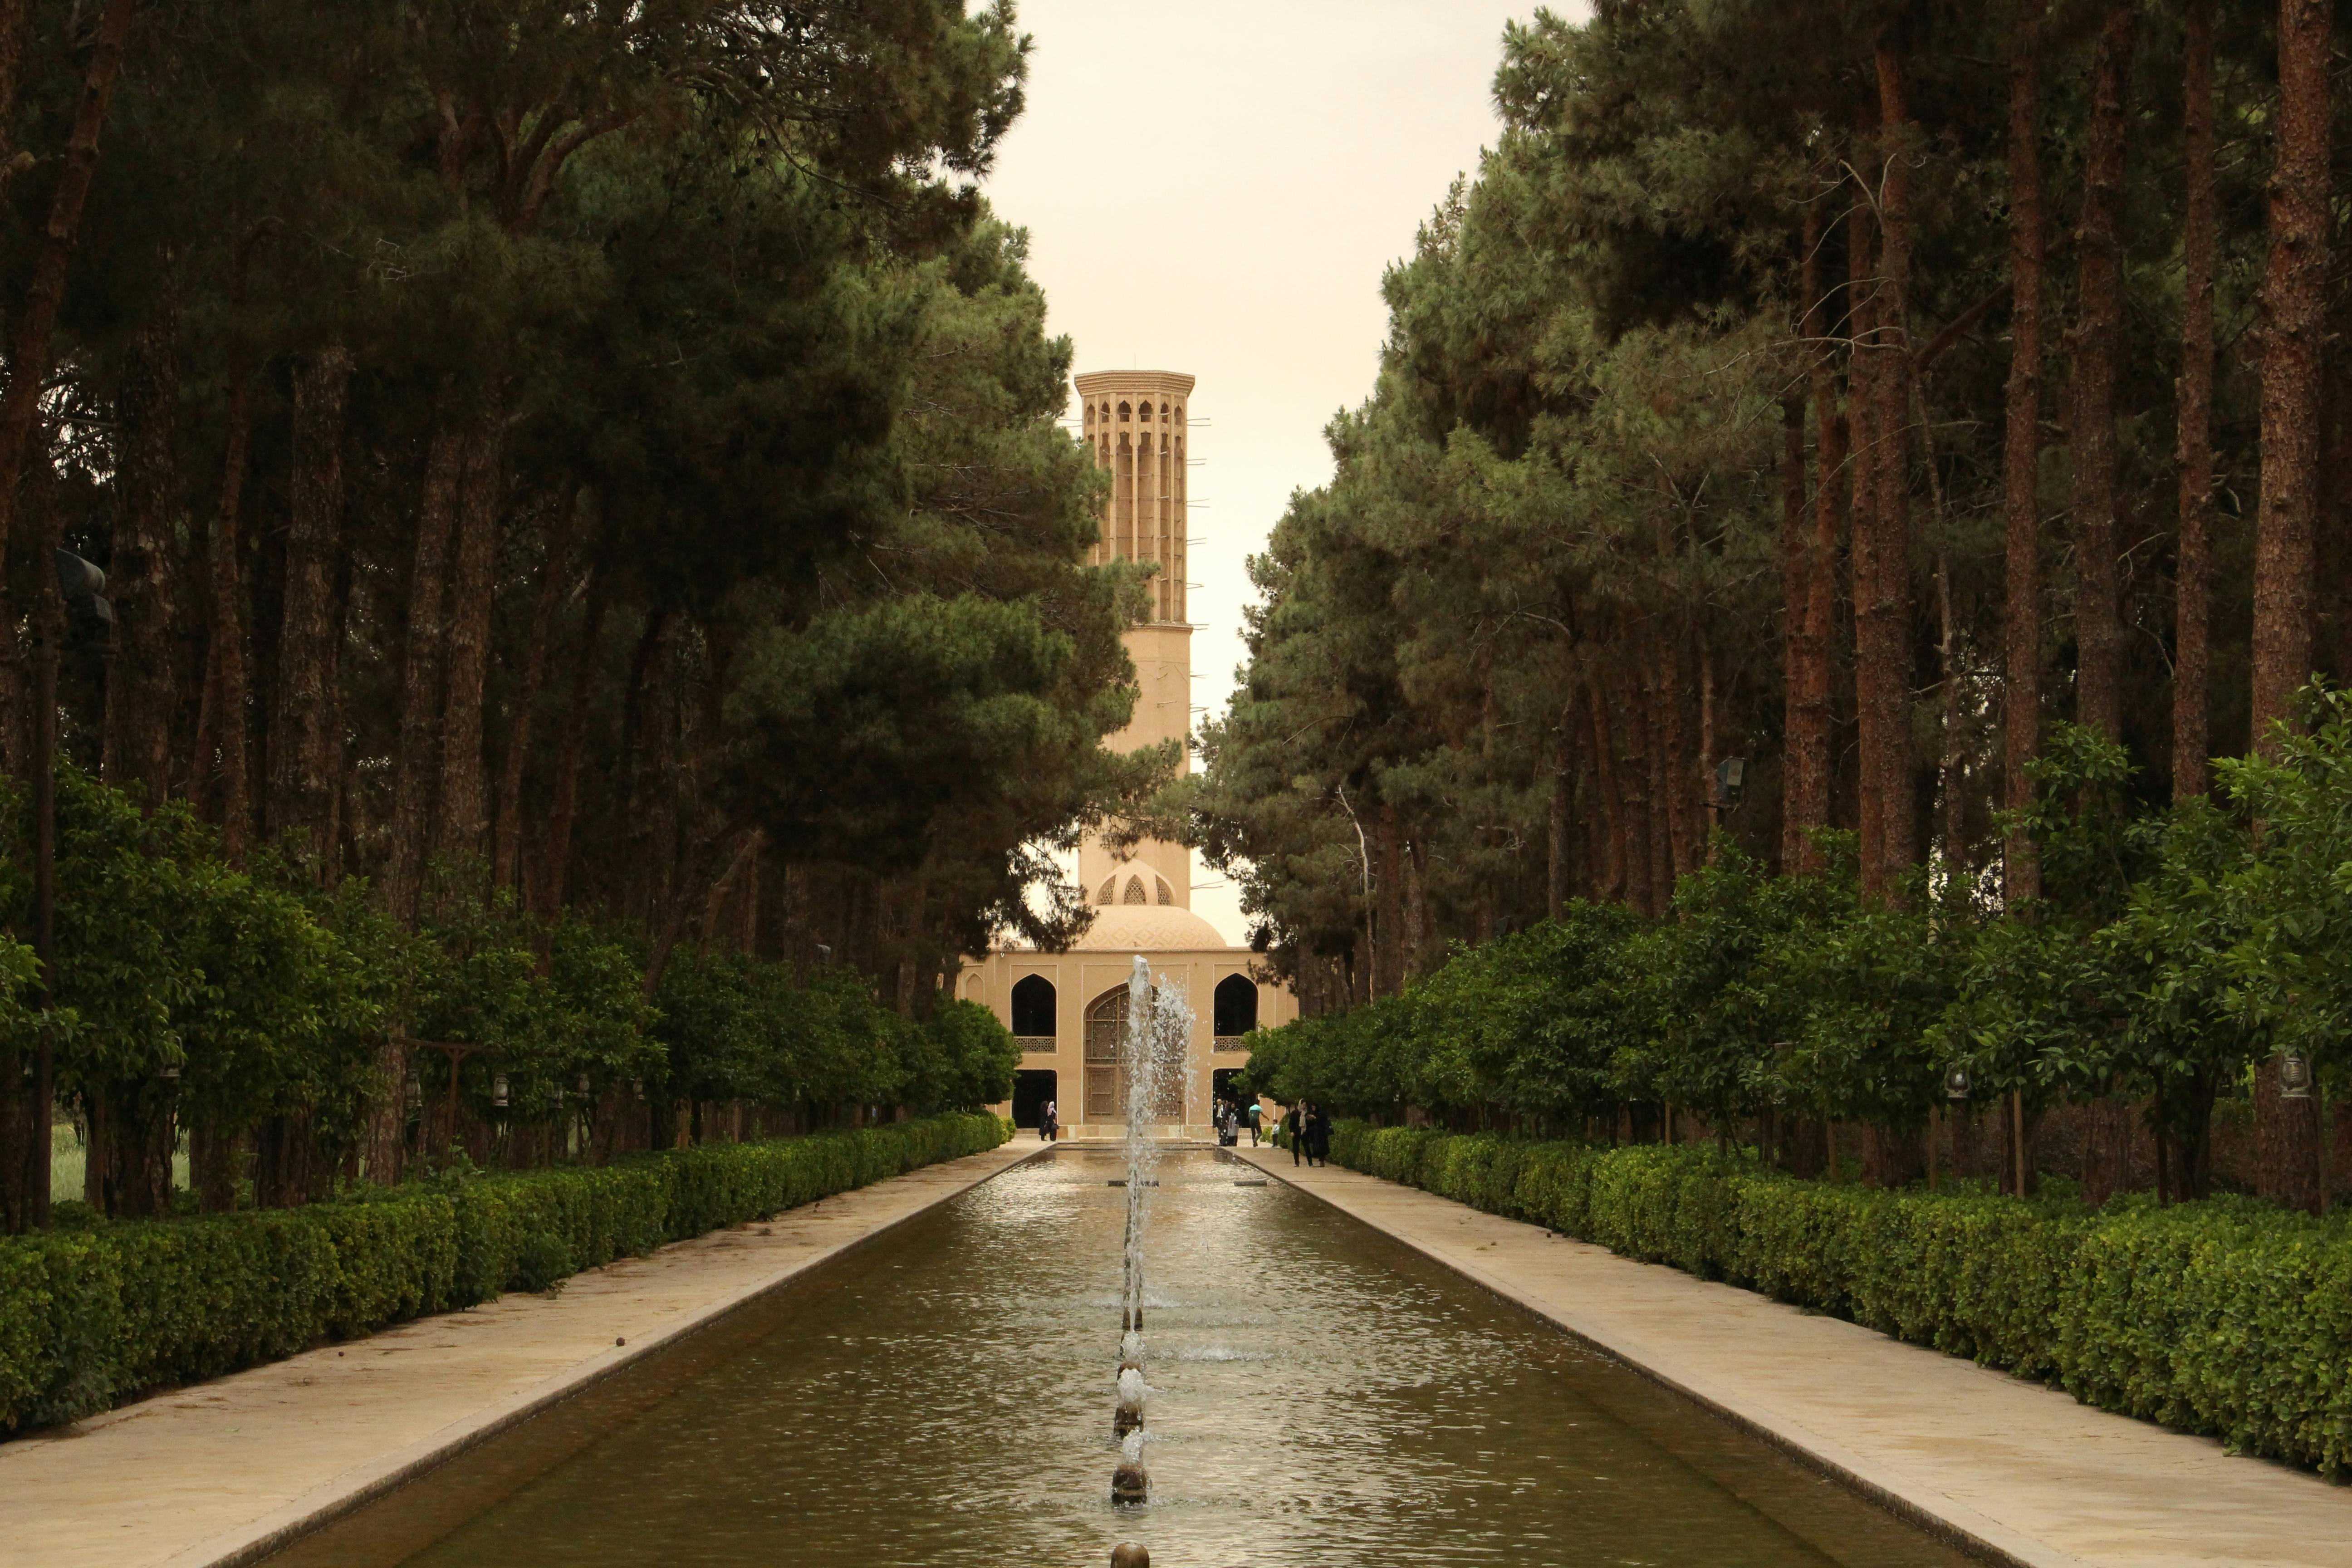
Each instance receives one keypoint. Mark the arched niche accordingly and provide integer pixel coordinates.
(1234, 1007)
(1032, 1007)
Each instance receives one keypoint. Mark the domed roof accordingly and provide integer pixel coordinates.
(1148, 928)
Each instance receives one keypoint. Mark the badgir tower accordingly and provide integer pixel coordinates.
(1069, 1009)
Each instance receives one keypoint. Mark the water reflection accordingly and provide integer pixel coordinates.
(1321, 1397)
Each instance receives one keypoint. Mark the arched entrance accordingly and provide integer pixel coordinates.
(1032, 1087)
(1105, 1067)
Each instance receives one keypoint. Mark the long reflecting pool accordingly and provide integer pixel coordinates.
(1324, 1398)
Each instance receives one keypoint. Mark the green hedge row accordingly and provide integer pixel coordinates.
(2229, 1317)
(89, 1317)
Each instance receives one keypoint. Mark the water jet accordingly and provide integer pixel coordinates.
(1159, 1032)
(1128, 1416)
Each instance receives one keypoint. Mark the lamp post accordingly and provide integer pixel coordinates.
(89, 618)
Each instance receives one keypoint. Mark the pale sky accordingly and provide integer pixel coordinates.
(1215, 188)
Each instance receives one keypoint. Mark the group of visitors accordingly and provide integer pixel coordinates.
(1231, 1118)
(1049, 1122)
(1310, 1135)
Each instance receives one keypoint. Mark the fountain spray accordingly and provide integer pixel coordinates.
(1142, 1077)
(1158, 1033)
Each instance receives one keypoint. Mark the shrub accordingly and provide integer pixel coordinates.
(544, 1262)
(2229, 1317)
(93, 1316)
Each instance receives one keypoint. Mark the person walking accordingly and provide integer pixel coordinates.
(1251, 1116)
(1319, 1137)
(1048, 1123)
(1296, 1122)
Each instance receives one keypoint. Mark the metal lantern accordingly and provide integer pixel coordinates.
(1955, 1084)
(638, 1086)
(415, 1093)
(90, 613)
(581, 1086)
(170, 1073)
(499, 1091)
(2295, 1076)
(1730, 777)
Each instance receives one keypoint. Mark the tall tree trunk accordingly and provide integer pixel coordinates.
(555, 856)
(32, 350)
(302, 717)
(2021, 454)
(740, 869)
(1684, 837)
(2091, 404)
(1560, 821)
(1951, 766)
(16, 30)
(2294, 311)
(226, 687)
(1648, 770)
(1864, 367)
(1890, 635)
(1612, 881)
(140, 694)
(465, 802)
(2191, 661)
(555, 574)
(1797, 756)
(1811, 729)
(415, 762)
(1387, 889)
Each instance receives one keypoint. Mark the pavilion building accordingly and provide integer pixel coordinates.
(1069, 1009)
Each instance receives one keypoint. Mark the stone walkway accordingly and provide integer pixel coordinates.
(2013, 1469)
(224, 1472)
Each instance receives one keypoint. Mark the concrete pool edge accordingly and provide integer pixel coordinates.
(1954, 1523)
(355, 1489)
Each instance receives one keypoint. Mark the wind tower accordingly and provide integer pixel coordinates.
(1135, 422)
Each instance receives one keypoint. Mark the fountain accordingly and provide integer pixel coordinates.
(1159, 1032)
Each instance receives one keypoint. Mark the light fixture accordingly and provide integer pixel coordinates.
(639, 1086)
(1730, 777)
(171, 1073)
(415, 1092)
(499, 1091)
(1955, 1084)
(90, 613)
(2295, 1076)
(581, 1085)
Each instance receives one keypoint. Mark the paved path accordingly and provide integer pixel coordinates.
(223, 1471)
(2009, 1466)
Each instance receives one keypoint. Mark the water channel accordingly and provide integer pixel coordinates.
(1323, 1398)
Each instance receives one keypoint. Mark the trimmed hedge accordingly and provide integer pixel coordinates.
(89, 1317)
(2229, 1317)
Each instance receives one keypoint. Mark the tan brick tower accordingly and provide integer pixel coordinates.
(1135, 422)
(1068, 1009)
